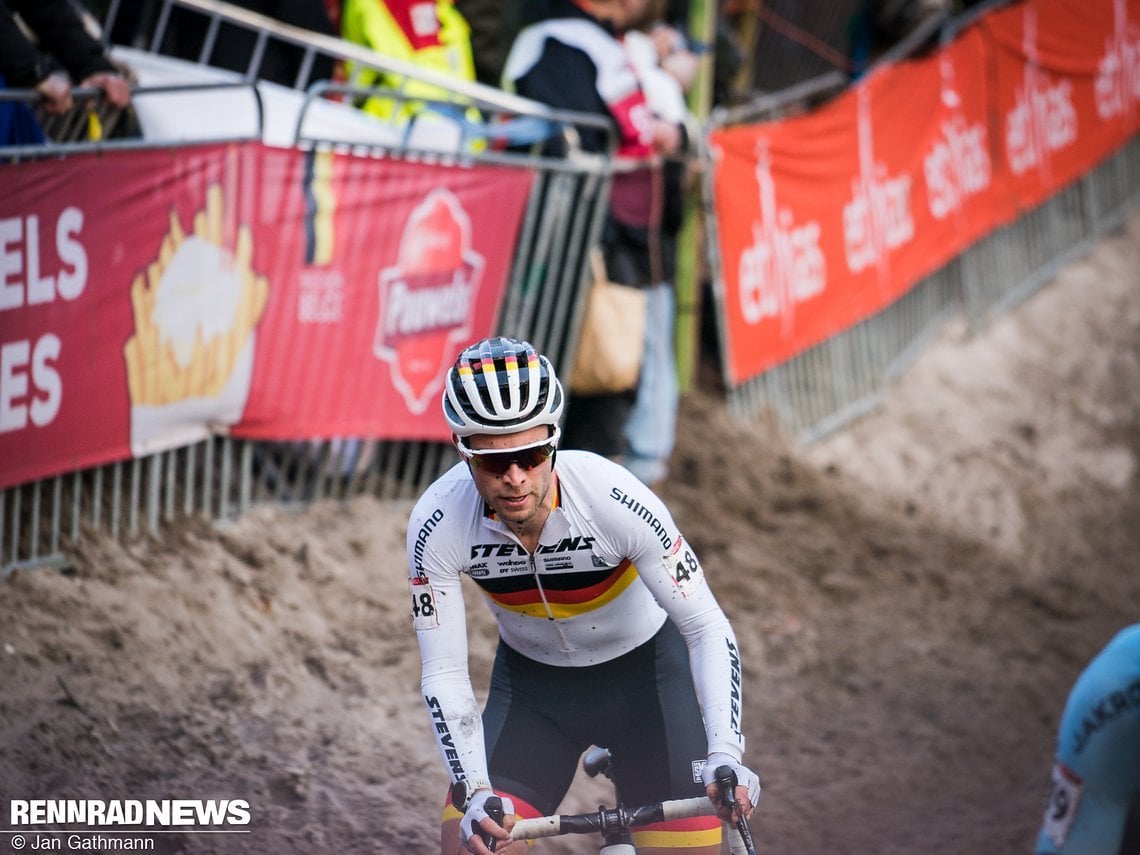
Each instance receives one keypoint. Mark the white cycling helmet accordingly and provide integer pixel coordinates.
(501, 385)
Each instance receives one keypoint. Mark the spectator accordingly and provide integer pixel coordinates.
(493, 26)
(18, 124)
(567, 56)
(63, 41)
(428, 33)
(666, 67)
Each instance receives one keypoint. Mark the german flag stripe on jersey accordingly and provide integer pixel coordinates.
(566, 603)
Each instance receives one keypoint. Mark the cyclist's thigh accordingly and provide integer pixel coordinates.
(656, 730)
(696, 836)
(529, 751)
(660, 752)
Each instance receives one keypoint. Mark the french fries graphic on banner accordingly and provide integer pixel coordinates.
(196, 309)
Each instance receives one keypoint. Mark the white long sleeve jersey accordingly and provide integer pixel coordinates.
(610, 568)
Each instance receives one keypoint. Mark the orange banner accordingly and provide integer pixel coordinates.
(1066, 88)
(827, 218)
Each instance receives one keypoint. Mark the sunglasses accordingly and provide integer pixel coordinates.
(498, 461)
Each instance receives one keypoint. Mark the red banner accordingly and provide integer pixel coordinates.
(1066, 89)
(386, 272)
(149, 299)
(827, 218)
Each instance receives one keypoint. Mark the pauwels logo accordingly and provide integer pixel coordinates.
(427, 298)
(1044, 118)
(1117, 85)
(784, 265)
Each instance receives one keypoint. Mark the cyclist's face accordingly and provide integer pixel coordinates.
(516, 494)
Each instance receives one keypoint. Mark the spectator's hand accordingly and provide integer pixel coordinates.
(115, 87)
(674, 55)
(55, 93)
(683, 65)
(666, 39)
(667, 137)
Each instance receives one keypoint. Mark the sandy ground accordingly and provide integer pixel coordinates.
(914, 595)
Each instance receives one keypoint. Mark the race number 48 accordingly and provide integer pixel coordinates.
(424, 614)
(684, 568)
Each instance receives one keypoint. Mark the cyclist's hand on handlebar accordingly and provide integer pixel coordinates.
(747, 792)
(478, 826)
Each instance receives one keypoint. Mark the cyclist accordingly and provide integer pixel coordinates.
(608, 631)
(1094, 805)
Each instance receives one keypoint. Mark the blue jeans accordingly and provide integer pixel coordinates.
(18, 123)
(651, 428)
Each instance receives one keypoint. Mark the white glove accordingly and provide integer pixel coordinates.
(745, 777)
(477, 811)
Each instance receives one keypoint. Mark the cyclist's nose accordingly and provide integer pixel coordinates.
(515, 474)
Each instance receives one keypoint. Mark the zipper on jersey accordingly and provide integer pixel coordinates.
(566, 648)
(538, 586)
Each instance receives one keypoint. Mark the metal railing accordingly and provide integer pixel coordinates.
(222, 477)
(267, 30)
(825, 387)
(811, 394)
(67, 133)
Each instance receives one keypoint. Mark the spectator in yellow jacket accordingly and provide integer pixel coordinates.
(428, 33)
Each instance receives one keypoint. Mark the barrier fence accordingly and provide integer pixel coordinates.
(70, 405)
(814, 385)
(216, 477)
(846, 234)
(826, 386)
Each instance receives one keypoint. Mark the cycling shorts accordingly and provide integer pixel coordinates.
(642, 706)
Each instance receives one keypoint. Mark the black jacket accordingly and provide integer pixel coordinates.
(638, 251)
(61, 35)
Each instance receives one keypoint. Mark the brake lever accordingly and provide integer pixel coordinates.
(494, 808)
(726, 784)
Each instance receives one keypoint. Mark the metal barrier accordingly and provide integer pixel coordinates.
(222, 477)
(811, 394)
(823, 388)
(67, 134)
